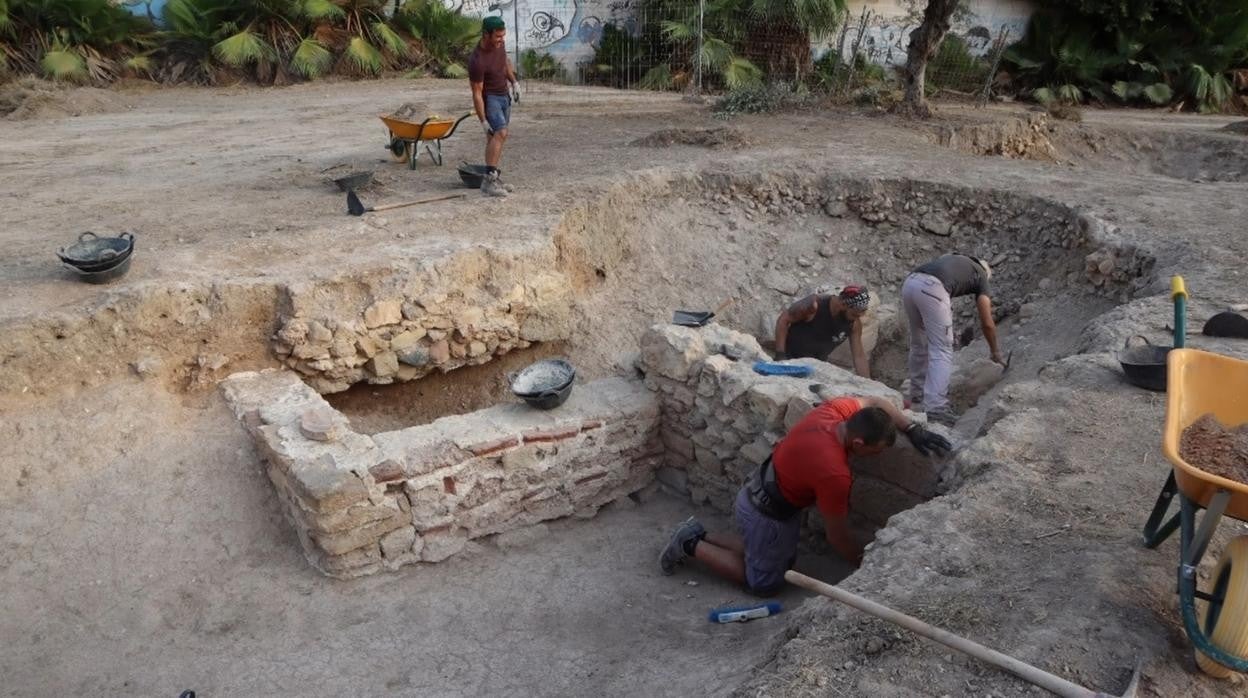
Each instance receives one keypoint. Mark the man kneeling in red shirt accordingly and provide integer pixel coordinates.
(809, 466)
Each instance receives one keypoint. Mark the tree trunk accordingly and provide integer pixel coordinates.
(924, 42)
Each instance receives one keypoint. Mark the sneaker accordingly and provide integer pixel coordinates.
(503, 184)
(674, 552)
(490, 186)
(942, 415)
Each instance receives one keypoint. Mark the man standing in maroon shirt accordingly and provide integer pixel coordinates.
(810, 466)
(490, 74)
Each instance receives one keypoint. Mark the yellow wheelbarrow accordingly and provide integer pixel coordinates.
(406, 137)
(1201, 383)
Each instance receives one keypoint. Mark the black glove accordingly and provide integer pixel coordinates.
(927, 442)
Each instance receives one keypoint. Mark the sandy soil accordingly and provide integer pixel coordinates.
(143, 552)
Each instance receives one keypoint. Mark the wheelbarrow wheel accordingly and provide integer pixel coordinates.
(1226, 621)
(400, 150)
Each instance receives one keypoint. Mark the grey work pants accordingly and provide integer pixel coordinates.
(930, 363)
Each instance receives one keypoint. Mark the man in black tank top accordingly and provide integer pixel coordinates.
(819, 323)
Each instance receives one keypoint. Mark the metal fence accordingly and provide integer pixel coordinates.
(711, 46)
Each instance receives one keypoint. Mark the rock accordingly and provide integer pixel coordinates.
(1028, 310)
(835, 208)
(469, 319)
(458, 350)
(440, 352)
(476, 348)
(367, 346)
(384, 364)
(211, 362)
(411, 311)
(147, 366)
(937, 224)
(828, 250)
(441, 544)
(381, 313)
(804, 262)
(398, 542)
(781, 282)
(319, 334)
(417, 356)
(405, 340)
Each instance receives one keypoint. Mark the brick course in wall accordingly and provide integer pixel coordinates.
(361, 504)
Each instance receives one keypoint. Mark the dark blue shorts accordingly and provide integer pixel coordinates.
(770, 546)
(498, 111)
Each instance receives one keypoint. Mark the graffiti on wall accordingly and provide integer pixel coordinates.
(887, 36)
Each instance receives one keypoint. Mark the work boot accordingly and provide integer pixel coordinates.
(674, 553)
(942, 415)
(490, 186)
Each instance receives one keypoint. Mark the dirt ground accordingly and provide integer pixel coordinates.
(144, 553)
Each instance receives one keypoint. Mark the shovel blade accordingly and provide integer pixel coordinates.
(689, 318)
(354, 206)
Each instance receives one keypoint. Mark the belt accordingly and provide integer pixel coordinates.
(764, 494)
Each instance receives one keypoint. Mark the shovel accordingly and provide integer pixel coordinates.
(357, 208)
(1038, 677)
(697, 318)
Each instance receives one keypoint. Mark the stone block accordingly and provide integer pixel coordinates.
(756, 451)
(398, 542)
(326, 486)
(493, 516)
(798, 407)
(442, 543)
(406, 340)
(420, 450)
(431, 506)
(707, 461)
(384, 364)
(440, 351)
(768, 401)
(671, 351)
(676, 443)
(355, 563)
(385, 312)
(367, 345)
(355, 516)
(368, 534)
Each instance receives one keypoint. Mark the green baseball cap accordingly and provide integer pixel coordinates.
(492, 24)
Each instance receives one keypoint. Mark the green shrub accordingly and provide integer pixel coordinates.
(761, 99)
(954, 68)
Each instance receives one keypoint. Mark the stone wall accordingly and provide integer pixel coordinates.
(361, 504)
(721, 419)
(402, 324)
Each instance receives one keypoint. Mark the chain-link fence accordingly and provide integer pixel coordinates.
(713, 46)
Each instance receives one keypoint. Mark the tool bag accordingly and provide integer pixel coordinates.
(764, 494)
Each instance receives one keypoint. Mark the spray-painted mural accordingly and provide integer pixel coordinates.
(978, 22)
(566, 29)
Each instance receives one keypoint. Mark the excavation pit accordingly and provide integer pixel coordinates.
(436, 452)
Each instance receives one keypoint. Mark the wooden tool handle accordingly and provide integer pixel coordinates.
(1026, 672)
(723, 306)
(447, 197)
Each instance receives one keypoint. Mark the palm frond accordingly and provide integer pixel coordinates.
(454, 71)
(1158, 93)
(388, 38)
(241, 49)
(62, 63)
(741, 73)
(657, 78)
(363, 56)
(320, 9)
(310, 59)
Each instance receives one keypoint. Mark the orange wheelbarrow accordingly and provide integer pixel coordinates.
(406, 137)
(1201, 383)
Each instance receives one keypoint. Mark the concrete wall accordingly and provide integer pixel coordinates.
(888, 31)
(361, 504)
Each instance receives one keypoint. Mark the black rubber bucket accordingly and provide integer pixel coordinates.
(471, 175)
(1144, 364)
(545, 384)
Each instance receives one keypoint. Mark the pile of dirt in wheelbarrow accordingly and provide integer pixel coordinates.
(1212, 447)
(412, 111)
(722, 137)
